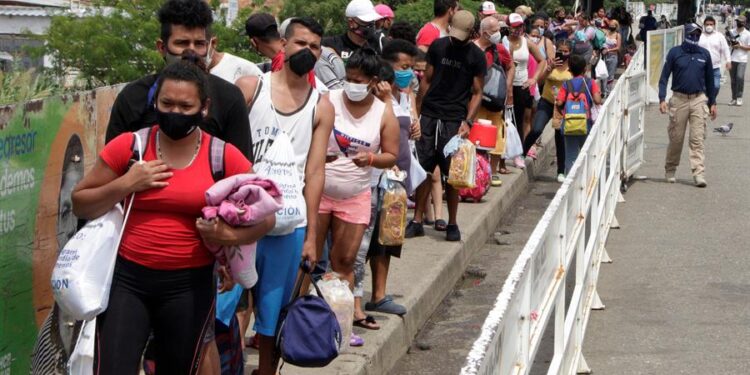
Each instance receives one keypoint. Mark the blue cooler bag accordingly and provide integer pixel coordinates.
(308, 334)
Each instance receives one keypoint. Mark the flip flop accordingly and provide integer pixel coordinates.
(355, 340)
(440, 225)
(387, 306)
(367, 323)
(504, 171)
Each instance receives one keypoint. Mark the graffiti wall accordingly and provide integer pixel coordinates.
(45, 148)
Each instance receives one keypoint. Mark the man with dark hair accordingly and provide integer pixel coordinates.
(646, 24)
(361, 32)
(284, 102)
(265, 38)
(717, 46)
(185, 30)
(448, 105)
(403, 30)
(438, 27)
(693, 99)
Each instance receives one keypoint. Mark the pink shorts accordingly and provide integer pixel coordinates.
(355, 210)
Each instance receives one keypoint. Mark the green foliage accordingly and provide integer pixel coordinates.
(106, 49)
(232, 38)
(330, 13)
(22, 85)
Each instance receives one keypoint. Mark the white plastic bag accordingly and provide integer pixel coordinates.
(463, 165)
(601, 69)
(83, 273)
(81, 361)
(416, 174)
(278, 165)
(513, 145)
(337, 294)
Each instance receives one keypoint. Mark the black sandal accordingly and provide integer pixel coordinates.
(441, 225)
(369, 319)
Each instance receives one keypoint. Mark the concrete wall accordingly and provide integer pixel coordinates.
(19, 24)
(45, 147)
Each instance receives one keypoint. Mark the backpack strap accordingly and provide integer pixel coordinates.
(152, 93)
(145, 135)
(216, 158)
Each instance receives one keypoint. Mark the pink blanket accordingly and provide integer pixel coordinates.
(241, 200)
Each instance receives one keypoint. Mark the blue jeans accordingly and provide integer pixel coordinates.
(717, 80)
(573, 145)
(543, 114)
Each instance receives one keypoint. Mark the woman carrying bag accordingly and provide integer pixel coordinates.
(163, 278)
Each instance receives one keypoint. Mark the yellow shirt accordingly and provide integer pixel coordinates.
(553, 83)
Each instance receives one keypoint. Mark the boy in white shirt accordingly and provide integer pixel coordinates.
(717, 46)
(740, 47)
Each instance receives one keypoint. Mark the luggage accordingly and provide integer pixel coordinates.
(483, 178)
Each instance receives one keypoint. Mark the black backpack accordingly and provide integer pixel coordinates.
(495, 85)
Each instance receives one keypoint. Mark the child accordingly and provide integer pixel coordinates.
(566, 96)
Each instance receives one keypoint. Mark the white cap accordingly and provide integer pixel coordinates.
(488, 8)
(362, 10)
(284, 25)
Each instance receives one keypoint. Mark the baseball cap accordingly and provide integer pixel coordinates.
(487, 8)
(261, 25)
(362, 10)
(284, 24)
(384, 11)
(692, 27)
(462, 25)
(515, 19)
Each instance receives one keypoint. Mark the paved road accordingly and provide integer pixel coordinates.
(443, 343)
(678, 293)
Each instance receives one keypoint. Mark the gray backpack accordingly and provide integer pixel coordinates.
(495, 85)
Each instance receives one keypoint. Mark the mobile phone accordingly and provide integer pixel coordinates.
(558, 55)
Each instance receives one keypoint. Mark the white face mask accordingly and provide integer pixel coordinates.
(709, 29)
(496, 38)
(356, 92)
(535, 39)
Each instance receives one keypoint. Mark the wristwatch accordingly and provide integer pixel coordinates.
(468, 122)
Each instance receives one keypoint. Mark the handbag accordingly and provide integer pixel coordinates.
(81, 361)
(513, 145)
(83, 273)
(308, 334)
(601, 69)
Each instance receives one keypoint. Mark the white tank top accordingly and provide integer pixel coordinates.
(521, 61)
(351, 135)
(265, 119)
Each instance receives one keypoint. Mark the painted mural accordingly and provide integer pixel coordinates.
(45, 148)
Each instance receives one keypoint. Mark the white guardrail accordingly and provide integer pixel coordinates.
(572, 232)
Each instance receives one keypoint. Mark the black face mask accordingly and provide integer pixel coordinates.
(302, 62)
(177, 125)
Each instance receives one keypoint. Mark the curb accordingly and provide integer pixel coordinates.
(440, 264)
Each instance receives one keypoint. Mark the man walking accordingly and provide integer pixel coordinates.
(740, 46)
(438, 26)
(717, 46)
(448, 104)
(360, 19)
(692, 90)
(285, 101)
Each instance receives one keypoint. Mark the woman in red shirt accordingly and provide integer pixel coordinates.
(163, 279)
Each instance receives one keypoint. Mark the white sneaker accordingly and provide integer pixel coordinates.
(739, 101)
(733, 102)
(519, 162)
(561, 178)
(670, 177)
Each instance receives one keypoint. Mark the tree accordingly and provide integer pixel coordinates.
(112, 45)
(117, 42)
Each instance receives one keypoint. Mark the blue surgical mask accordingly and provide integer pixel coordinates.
(403, 78)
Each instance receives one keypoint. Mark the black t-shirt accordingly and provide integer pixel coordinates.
(345, 47)
(454, 68)
(227, 117)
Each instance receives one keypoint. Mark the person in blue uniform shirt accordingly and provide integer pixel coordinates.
(693, 100)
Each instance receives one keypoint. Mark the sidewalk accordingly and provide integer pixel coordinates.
(425, 274)
(678, 293)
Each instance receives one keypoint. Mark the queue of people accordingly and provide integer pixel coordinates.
(378, 97)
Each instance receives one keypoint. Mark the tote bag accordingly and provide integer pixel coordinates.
(83, 273)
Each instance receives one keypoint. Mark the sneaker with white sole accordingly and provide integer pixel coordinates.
(560, 178)
(700, 181)
(739, 102)
(670, 177)
(733, 102)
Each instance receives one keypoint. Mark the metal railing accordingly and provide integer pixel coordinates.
(571, 235)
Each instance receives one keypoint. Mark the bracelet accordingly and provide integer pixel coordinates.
(372, 157)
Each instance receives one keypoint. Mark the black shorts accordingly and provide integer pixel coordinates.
(376, 249)
(435, 135)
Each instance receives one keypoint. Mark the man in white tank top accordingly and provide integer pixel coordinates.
(287, 98)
